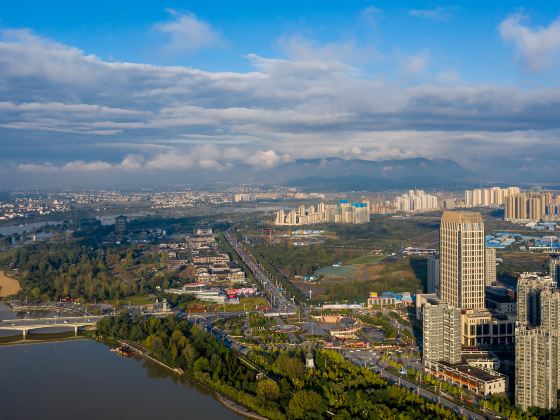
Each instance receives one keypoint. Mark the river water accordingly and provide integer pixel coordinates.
(82, 379)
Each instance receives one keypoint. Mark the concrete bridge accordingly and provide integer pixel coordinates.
(25, 326)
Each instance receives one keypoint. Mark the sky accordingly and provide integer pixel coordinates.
(123, 91)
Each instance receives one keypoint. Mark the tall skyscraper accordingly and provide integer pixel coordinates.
(462, 260)
(536, 367)
(432, 285)
(529, 289)
(490, 266)
(441, 333)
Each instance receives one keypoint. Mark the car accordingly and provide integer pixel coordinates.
(66, 322)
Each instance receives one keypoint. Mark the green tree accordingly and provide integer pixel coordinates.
(267, 391)
(290, 366)
(307, 404)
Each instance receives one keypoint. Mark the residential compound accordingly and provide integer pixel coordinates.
(489, 197)
(343, 212)
(533, 207)
(415, 201)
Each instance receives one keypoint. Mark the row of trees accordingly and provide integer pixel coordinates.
(279, 386)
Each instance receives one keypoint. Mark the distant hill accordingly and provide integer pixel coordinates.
(334, 174)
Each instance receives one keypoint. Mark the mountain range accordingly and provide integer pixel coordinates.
(335, 174)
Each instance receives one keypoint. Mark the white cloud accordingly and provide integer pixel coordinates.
(267, 159)
(300, 48)
(536, 47)
(80, 165)
(415, 64)
(438, 13)
(312, 103)
(187, 33)
(34, 168)
(371, 15)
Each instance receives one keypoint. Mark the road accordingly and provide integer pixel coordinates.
(280, 302)
(277, 299)
(368, 359)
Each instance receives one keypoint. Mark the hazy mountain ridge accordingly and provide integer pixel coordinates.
(335, 174)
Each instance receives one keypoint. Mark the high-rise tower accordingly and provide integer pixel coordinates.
(462, 260)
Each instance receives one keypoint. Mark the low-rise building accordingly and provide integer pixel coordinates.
(211, 258)
(480, 359)
(501, 300)
(380, 301)
(484, 328)
(480, 381)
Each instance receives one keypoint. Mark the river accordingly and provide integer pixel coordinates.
(83, 379)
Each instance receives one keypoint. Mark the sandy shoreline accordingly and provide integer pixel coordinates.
(8, 285)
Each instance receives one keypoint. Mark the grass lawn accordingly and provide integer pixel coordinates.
(134, 300)
(389, 274)
(365, 259)
(245, 304)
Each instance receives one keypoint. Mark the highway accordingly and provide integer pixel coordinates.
(277, 299)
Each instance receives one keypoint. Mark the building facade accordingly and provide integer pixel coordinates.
(432, 285)
(441, 333)
(462, 252)
(536, 367)
(529, 289)
(554, 268)
(490, 266)
(343, 212)
(489, 197)
(533, 207)
(415, 201)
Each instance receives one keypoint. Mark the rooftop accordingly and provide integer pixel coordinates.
(461, 217)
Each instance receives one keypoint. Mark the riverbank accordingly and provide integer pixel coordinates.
(224, 400)
(8, 285)
(82, 369)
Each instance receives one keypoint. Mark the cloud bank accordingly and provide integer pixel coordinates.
(65, 111)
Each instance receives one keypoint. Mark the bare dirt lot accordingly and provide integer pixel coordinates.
(8, 285)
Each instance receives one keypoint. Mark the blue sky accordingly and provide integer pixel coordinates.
(121, 86)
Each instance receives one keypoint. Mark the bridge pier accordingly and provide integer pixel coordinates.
(76, 331)
(24, 333)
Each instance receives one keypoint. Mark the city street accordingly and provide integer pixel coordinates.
(277, 300)
(368, 358)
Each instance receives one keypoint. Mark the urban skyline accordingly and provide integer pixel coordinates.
(284, 210)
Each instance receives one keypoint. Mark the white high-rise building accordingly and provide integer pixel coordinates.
(489, 197)
(415, 200)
